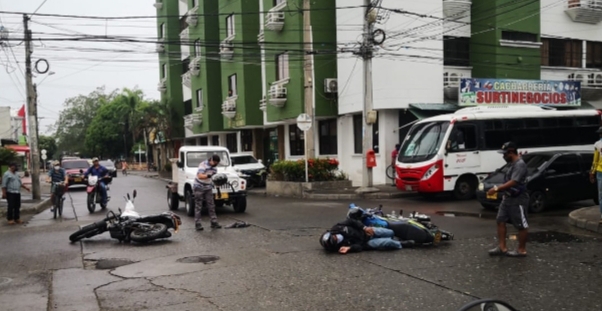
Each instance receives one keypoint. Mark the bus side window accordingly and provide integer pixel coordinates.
(463, 138)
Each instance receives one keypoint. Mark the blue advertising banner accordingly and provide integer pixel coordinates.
(474, 92)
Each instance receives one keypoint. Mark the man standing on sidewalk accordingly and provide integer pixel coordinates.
(203, 191)
(596, 171)
(515, 203)
(11, 191)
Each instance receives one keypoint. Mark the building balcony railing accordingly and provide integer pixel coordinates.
(591, 79)
(274, 19)
(192, 17)
(195, 66)
(162, 86)
(160, 45)
(584, 11)
(158, 4)
(192, 120)
(456, 9)
(186, 79)
(451, 80)
(229, 107)
(226, 48)
(277, 94)
(185, 35)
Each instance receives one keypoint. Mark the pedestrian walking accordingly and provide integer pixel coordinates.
(11, 191)
(596, 171)
(203, 191)
(515, 203)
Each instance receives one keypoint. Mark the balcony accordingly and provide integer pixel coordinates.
(451, 80)
(226, 48)
(229, 107)
(158, 4)
(186, 80)
(262, 104)
(192, 17)
(195, 66)
(261, 38)
(193, 120)
(162, 86)
(456, 9)
(591, 80)
(277, 94)
(161, 46)
(584, 11)
(185, 35)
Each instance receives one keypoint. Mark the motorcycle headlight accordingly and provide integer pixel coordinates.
(481, 187)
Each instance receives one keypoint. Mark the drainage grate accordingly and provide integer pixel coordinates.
(206, 259)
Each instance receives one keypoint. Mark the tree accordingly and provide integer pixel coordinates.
(48, 143)
(6, 157)
(104, 136)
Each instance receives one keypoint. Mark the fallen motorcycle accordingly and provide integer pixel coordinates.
(417, 228)
(488, 305)
(130, 226)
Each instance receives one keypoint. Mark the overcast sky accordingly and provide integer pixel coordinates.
(79, 67)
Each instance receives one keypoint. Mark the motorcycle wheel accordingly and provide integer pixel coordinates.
(145, 235)
(86, 232)
(61, 201)
(56, 204)
(91, 203)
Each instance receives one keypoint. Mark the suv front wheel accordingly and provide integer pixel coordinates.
(240, 205)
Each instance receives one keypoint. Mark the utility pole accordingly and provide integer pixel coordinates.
(310, 146)
(367, 111)
(32, 113)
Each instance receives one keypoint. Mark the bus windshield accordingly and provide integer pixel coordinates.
(423, 142)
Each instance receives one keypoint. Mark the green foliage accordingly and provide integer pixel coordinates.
(319, 170)
(167, 167)
(48, 143)
(7, 156)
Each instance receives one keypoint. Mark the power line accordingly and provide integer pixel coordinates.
(34, 12)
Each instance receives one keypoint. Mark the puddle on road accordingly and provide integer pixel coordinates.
(553, 236)
(106, 264)
(205, 259)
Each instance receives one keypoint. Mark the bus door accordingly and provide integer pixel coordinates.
(462, 152)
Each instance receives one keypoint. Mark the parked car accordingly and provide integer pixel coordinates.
(553, 177)
(110, 166)
(250, 169)
(72, 168)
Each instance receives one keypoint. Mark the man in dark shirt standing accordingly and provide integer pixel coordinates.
(515, 203)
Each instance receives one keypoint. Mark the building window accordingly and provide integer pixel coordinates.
(277, 2)
(357, 134)
(162, 31)
(594, 55)
(561, 53)
(188, 107)
(232, 142)
(204, 141)
(328, 137)
(246, 139)
(230, 25)
(164, 71)
(215, 140)
(197, 48)
(519, 36)
(456, 51)
(232, 90)
(282, 67)
(193, 2)
(199, 99)
(296, 140)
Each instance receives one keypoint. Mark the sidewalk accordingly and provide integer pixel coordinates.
(164, 176)
(587, 218)
(28, 205)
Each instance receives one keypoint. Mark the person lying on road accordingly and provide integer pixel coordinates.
(351, 236)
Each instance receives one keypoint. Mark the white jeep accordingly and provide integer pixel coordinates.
(181, 188)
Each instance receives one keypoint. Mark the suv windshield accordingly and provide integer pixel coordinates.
(535, 161)
(194, 158)
(238, 160)
(107, 164)
(68, 165)
(423, 142)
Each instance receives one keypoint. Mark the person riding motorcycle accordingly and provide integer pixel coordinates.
(101, 172)
(56, 175)
(352, 236)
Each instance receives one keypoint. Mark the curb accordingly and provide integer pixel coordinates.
(583, 223)
(44, 204)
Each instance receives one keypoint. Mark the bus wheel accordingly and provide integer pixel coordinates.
(465, 188)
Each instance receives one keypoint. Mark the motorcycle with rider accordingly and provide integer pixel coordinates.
(97, 179)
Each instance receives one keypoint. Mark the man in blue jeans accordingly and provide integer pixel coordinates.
(101, 172)
(352, 236)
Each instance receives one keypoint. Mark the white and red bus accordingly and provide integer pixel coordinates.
(454, 152)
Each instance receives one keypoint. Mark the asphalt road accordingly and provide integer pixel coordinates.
(278, 264)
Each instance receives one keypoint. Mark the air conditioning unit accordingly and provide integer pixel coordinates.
(331, 86)
(595, 80)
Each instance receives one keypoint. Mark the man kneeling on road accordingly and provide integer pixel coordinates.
(351, 236)
(203, 191)
(56, 175)
(515, 203)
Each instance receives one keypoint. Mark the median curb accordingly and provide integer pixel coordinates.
(32, 209)
(586, 218)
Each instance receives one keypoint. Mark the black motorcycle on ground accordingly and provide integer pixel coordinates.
(130, 226)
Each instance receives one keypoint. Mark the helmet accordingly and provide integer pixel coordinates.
(329, 241)
(355, 213)
(219, 179)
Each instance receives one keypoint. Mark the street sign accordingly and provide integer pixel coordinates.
(44, 151)
(304, 122)
(44, 157)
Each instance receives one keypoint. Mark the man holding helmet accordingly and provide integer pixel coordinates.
(56, 175)
(203, 191)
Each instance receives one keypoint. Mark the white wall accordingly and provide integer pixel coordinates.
(554, 21)
(5, 123)
(400, 75)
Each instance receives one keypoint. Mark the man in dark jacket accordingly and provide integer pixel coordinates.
(351, 236)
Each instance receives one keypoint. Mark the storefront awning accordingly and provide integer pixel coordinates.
(423, 111)
(18, 148)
